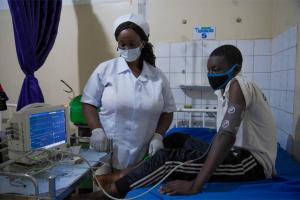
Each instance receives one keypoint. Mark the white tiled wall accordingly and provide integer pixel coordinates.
(282, 84)
(184, 63)
(268, 62)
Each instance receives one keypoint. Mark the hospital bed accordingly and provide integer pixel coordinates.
(285, 185)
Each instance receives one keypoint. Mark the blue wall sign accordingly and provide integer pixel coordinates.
(204, 33)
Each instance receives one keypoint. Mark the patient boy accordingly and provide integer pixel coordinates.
(244, 148)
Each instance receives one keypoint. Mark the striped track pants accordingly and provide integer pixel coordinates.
(239, 165)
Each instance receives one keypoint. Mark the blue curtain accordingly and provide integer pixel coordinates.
(35, 24)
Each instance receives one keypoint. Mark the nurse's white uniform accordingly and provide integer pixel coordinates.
(130, 106)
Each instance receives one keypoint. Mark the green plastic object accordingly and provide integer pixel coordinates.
(76, 114)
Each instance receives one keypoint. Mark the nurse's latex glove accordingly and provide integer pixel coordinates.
(156, 144)
(98, 140)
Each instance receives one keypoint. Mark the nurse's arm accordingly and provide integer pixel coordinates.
(91, 116)
(164, 122)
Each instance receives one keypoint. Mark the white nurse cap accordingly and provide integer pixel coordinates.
(136, 19)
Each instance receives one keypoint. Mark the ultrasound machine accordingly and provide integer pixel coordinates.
(37, 126)
(41, 163)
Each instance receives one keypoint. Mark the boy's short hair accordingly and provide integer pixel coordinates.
(231, 54)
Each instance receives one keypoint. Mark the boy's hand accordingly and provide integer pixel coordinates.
(179, 187)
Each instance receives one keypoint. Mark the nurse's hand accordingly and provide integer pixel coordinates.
(98, 140)
(156, 144)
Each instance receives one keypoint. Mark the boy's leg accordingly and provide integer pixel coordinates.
(176, 140)
(193, 143)
(106, 180)
(240, 165)
(181, 140)
(156, 168)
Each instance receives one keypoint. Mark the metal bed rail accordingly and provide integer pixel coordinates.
(191, 111)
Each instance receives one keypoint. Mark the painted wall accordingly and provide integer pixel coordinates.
(165, 18)
(85, 36)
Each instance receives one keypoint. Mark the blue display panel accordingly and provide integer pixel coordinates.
(47, 129)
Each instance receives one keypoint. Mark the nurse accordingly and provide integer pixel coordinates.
(135, 100)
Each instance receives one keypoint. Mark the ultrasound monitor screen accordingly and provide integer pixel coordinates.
(47, 129)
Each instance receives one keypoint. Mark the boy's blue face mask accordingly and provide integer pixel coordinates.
(219, 81)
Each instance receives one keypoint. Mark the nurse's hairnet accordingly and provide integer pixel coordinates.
(136, 19)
